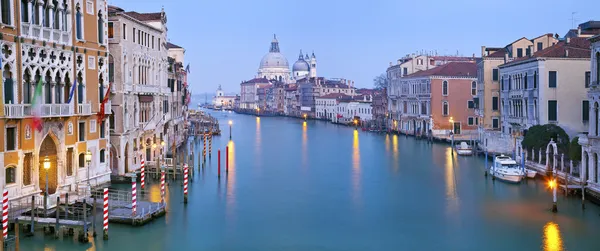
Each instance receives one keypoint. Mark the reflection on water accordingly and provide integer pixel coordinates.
(450, 178)
(552, 239)
(230, 174)
(356, 186)
(304, 146)
(154, 193)
(395, 152)
(258, 147)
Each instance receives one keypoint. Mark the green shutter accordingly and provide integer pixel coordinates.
(552, 79)
(586, 110)
(552, 110)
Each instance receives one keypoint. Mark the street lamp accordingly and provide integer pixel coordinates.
(155, 157)
(88, 160)
(552, 184)
(230, 123)
(355, 124)
(305, 116)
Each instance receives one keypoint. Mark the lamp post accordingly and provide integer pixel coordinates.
(452, 133)
(46, 168)
(230, 123)
(305, 116)
(355, 124)
(88, 160)
(552, 184)
(157, 159)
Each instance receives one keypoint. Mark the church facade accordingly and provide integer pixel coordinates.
(274, 66)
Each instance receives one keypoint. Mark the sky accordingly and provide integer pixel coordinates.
(226, 39)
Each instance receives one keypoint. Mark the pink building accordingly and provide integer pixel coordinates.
(439, 100)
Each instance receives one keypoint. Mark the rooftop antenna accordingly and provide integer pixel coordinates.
(573, 19)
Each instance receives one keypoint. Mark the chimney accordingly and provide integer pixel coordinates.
(506, 57)
(530, 47)
(578, 30)
(391, 64)
(566, 53)
(399, 61)
(568, 40)
(483, 51)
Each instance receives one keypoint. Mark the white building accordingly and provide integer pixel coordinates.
(357, 107)
(326, 106)
(139, 58)
(220, 100)
(591, 142)
(548, 87)
(274, 65)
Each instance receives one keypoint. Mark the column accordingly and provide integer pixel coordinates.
(51, 19)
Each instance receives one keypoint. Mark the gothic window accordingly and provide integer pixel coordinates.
(5, 7)
(25, 11)
(56, 14)
(100, 88)
(9, 97)
(48, 88)
(473, 88)
(46, 14)
(67, 89)
(65, 15)
(79, 22)
(102, 156)
(445, 110)
(27, 87)
(80, 88)
(36, 13)
(57, 90)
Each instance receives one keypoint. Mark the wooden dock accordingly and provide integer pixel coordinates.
(120, 212)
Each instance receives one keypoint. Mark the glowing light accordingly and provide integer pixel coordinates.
(552, 184)
(356, 172)
(230, 122)
(552, 239)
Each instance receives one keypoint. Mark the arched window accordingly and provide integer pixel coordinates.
(25, 11)
(81, 160)
(597, 68)
(101, 88)
(58, 90)
(102, 156)
(445, 108)
(78, 22)
(65, 18)
(100, 28)
(111, 68)
(46, 14)
(80, 88)
(445, 88)
(10, 174)
(56, 14)
(596, 117)
(535, 80)
(9, 97)
(67, 89)
(474, 88)
(27, 87)
(526, 85)
(48, 88)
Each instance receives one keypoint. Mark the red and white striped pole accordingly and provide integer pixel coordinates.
(162, 186)
(133, 196)
(143, 174)
(105, 226)
(5, 214)
(185, 183)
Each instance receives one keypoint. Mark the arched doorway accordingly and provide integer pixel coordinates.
(48, 150)
(114, 161)
(127, 157)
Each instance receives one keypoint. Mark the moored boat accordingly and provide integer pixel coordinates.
(506, 169)
(530, 173)
(464, 149)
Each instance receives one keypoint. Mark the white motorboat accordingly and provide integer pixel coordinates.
(507, 169)
(464, 149)
(530, 173)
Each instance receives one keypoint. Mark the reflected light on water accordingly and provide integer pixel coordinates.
(230, 177)
(395, 152)
(304, 146)
(258, 147)
(356, 186)
(450, 178)
(552, 239)
(154, 193)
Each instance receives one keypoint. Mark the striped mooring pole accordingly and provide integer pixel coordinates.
(143, 174)
(210, 145)
(185, 183)
(5, 214)
(162, 186)
(204, 149)
(105, 226)
(133, 196)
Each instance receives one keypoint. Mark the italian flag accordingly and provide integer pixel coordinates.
(36, 107)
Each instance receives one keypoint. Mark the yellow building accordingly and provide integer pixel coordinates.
(59, 41)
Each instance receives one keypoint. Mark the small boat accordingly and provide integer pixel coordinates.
(464, 149)
(530, 173)
(506, 169)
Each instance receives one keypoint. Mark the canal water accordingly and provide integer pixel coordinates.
(295, 185)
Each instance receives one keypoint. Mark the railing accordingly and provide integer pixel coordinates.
(14, 111)
(25, 29)
(84, 109)
(128, 88)
(146, 88)
(53, 110)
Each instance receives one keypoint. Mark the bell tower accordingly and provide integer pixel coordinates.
(313, 65)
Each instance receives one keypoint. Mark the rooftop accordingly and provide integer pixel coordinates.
(256, 81)
(173, 46)
(155, 16)
(575, 47)
(451, 69)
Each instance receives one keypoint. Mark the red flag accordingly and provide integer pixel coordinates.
(100, 114)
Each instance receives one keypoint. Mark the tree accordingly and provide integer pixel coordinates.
(538, 137)
(381, 82)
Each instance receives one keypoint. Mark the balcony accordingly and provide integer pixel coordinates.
(14, 111)
(84, 109)
(128, 88)
(48, 34)
(165, 90)
(56, 110)
(146, 88)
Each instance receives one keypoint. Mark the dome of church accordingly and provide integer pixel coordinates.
(274, 60)
(300, 65)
